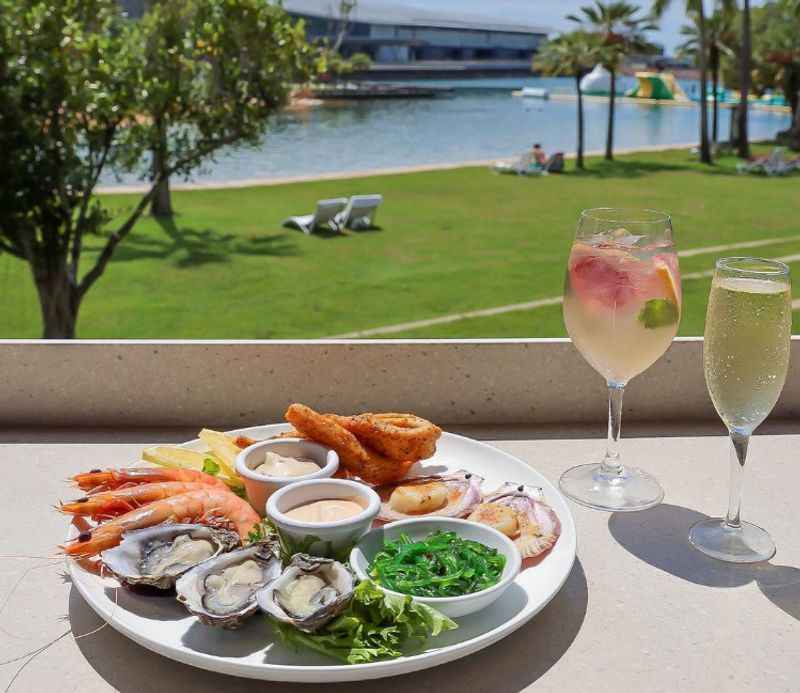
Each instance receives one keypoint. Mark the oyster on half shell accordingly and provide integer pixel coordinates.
(157, 556)
(439, 495)
(519, 512)
(222, 590)
(309, 593)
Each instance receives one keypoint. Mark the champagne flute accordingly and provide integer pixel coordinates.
(622, 306)
(745, 359)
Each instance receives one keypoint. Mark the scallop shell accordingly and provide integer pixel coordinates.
(194, 592)
(463, 494)
(128, 563)
(539, 527)
(331, 600)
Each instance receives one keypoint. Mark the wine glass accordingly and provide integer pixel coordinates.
(622, 306)
(745, 359)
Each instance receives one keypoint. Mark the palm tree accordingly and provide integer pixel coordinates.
(571, 55)
(720, 37)
(743, 150)
(695, 8)
(621, 30)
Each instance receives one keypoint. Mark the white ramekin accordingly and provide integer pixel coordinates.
(260, 487)
(419, 528)
(330, 539)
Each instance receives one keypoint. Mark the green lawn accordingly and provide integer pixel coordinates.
(449, 241)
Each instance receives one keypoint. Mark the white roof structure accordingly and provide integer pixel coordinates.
(411, 14)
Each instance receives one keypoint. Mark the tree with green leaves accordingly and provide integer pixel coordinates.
(83, 91)
(570, 55)
(776, 58)
(695, 9)
(745, 59)
(621, 30)
(721, 39)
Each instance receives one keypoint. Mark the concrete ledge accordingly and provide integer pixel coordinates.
(179, 383)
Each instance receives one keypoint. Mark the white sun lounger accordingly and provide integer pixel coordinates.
(325, 214)
(359, 213)
(773, 165)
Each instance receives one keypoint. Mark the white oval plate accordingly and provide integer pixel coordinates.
(162, 625)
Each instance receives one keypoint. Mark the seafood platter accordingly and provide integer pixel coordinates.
(326, 548)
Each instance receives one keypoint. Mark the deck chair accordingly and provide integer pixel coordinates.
(359, 213)
(519, 166)
(772, 165)
(325, 214)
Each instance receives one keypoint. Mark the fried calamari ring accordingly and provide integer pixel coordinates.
(398, 436)
(355, 457)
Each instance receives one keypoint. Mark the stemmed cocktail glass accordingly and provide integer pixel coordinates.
(622, 306)
(745, 359)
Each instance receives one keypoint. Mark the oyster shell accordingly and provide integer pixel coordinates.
(157, 556)
(309, 593)
(222, 590)
(441, 495)
(519, 512)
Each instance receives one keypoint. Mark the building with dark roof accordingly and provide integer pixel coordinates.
(402, 34)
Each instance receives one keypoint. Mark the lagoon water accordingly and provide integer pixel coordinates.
(479, 120)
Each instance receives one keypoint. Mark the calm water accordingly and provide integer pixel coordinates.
(481, 120)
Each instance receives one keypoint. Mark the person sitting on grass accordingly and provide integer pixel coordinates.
(539, 157)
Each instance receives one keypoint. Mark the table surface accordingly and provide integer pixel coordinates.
(641, 610)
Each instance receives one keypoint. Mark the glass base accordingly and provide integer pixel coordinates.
(745, 544)
(630, 490)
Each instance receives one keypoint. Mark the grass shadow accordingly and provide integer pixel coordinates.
(627, 169)
(328, 233)
(186, 246)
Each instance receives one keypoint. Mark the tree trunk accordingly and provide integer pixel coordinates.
(161, 204)
(744, 78)
(705, 149)
(715, 87)
(610, 132)
(579, 158)
(59, 302)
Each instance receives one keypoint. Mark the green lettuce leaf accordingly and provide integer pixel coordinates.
(374, 626)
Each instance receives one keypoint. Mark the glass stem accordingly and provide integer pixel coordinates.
(739, 443)
(611, 463)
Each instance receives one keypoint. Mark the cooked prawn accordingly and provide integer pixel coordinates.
(108, 479)
(106, 504)
(206, 505)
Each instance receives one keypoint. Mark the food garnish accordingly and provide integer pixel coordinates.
(519, 512)
(441, 565)
(374, 626)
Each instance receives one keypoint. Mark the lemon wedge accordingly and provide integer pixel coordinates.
(663, 271)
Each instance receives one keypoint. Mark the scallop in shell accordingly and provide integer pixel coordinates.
(309, 593)
(519, 512)
(441, 495)
(157, 556)
(222, 590)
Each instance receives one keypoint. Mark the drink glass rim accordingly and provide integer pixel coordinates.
(626, 215)
(752, 267)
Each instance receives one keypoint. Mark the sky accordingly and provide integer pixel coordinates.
(551, 13)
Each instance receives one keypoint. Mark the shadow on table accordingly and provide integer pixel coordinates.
(659, 537)
(510, 665)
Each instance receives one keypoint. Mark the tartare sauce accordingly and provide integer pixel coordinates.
(278, 465)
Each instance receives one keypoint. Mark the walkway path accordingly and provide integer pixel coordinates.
(556, 300)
